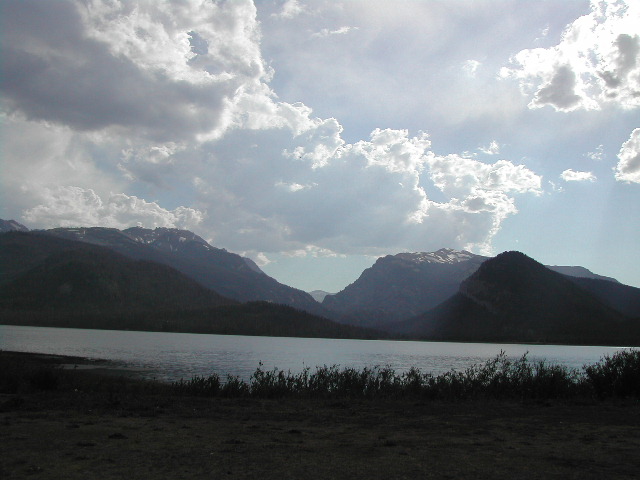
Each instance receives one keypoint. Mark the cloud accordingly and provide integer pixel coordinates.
(325, 32)
(556, 187)
(150, 163)
(492, 149)
(173, 102)
(471, 67)
(37, 155)
(598, 154)
(411, 56)
(455, 175)
(75, 206)
(261, 259)
(559, 90)
(628, 168)
(131, 68)
(480, 195)
(272, 190)
(573, 176)
(596, 62)
(290, 9)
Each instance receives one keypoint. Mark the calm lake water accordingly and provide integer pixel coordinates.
(171, 356)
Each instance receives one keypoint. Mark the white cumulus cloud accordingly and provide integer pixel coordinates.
(570, 175)
(628, 168)
(597, 62)
(75, 206)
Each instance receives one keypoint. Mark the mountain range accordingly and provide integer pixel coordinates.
(513, 298)
(47, 280)
(227, 273)
(170, 279)
(399, 287)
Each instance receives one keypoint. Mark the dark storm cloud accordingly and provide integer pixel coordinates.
(52, 71)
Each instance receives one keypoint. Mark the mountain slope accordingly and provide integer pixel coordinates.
(66, 283)
(12, 226)
(90, 278)
(623, 298)
(513, 298)
(579, 272)
(227, 273)
(400, 286)
(22, 251)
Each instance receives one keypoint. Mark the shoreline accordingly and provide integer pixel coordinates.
(98, 366)
(53, 358)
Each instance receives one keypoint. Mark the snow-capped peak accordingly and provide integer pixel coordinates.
(444, 255)
(165, 238)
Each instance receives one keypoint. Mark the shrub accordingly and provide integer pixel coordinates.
(234, 387)
(198, 386)
(275, 383)
(498, 378)
(616, 376)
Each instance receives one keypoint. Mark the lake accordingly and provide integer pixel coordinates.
(171, 356)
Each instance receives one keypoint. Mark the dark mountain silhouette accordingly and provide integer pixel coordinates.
(623, 298)
(227, 273)
(579, 272)
(398, 287)
(57, 282)
(98, 279)
(174, 280)
(21, 251)
(401, 286)
(513, 298)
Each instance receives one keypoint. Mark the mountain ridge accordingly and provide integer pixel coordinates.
(76, 284)
(396, 294)
(513, 298)
(12, 226)
(227, 273)
(398, 287)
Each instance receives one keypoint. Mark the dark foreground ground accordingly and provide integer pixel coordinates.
(112, 427)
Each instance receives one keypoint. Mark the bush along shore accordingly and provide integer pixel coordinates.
(616, 376)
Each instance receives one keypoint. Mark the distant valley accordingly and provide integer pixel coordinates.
(173, 280)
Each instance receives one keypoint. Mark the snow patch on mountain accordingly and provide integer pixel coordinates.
(169, 237)
(444, 255)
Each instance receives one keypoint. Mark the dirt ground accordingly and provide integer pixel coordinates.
(55, 435)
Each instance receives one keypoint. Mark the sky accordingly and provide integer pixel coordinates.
(315, 136)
